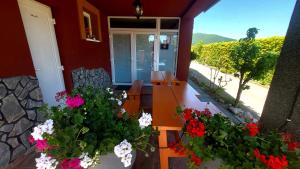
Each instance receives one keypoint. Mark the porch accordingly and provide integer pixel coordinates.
(123, 49)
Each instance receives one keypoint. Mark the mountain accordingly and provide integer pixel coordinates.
(209, 38)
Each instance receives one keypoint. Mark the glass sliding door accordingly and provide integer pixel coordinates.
(168, 51)
(144, 56)
(122, 57)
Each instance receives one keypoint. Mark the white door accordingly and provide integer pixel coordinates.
(39, 28)
(133, 56)
(145, 56)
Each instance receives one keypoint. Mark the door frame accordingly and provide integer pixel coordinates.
(134, 31)
(53, 41)
(132, 34)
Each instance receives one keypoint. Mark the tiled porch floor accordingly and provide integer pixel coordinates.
(142, 162)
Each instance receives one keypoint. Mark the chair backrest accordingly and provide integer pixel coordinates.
(136, 89)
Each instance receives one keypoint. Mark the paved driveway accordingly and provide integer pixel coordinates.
(253, 98)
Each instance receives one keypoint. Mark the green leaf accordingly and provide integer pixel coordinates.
(297, 151)
(82, 144)
(84, 130)
(78, 119)
(284, 148)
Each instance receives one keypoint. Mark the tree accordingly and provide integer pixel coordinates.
(249, 62)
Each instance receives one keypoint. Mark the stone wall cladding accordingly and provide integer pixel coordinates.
(20, 98)
(97, 78)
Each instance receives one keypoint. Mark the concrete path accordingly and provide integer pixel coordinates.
(253, 98)
(206, 98)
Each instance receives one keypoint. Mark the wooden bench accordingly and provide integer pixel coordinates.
(133, 102)
(135, 91)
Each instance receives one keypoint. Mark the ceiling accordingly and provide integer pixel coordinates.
(166, 8)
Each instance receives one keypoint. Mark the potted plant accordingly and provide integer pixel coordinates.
(241, 146)
(89, 125)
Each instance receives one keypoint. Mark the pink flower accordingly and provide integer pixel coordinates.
(31, 139)
(74, 102)
(75, 163)
(71, 164)
(42, 145)
(60, 95)
(65, 164)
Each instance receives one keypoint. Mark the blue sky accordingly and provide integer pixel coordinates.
(232, 18)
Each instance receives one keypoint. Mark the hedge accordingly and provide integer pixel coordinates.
(217, 54)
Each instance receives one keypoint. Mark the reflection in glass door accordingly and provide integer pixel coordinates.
(122, 57)
(168, 51)
(144, 56)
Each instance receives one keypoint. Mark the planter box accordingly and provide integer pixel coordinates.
(111, 161)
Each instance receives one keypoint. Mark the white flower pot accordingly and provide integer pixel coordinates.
(111, 161)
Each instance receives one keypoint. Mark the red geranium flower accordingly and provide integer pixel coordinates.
(195, 128)
(253, 129)
(197, 160)
(206, 112)
(292, 146)
(274, 162)
(287, 137)
(187, 114)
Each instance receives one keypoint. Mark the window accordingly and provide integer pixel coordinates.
(132, 23)
(169, 24)
(87, 25)
(89, 21)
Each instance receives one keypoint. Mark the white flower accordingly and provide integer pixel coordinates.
(124, 94)
(46, 127)
(145, 120)
(45, 162)
(37, 133)
(111, 98)
(126, 160)
(123, 148)
(123, 110)
(109, 90)
(85, 160)
(119, 102)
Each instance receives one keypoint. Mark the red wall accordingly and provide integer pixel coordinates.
(73, 51)
(15, 56)
(184, 48)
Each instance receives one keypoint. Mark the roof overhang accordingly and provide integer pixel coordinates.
(159, 8)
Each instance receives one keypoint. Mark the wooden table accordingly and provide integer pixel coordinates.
(165, 119)
(165, 101)
(162, 77)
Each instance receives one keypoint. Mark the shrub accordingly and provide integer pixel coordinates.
(212, 54)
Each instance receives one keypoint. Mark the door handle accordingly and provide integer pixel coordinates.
(37, 70)
(61, 67)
